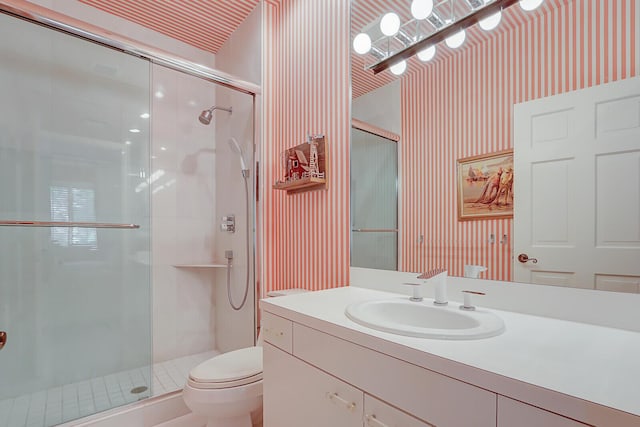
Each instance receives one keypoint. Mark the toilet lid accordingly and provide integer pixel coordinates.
(232, 367)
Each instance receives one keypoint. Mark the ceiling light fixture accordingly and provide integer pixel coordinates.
(387, 41)
(362, 43)
(420, 9)
(490, 22)
(390, 24)
(399, 68)
(427, 54)
(530, 5)
(455, 41)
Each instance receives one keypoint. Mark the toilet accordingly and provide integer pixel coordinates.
(227, 389)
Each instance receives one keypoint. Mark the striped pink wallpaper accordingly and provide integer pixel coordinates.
(306, 89)
(461, 106)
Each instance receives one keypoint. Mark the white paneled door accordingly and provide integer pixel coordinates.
(577, 188)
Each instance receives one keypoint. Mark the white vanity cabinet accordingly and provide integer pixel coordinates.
(327, 381)
(512, 413)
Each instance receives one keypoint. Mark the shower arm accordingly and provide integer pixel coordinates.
(228, 110)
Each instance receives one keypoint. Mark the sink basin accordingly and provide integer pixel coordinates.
(425, 320)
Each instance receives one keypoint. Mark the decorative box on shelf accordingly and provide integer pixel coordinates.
(305, 166)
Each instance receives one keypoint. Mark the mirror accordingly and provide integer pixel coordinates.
(559, 85)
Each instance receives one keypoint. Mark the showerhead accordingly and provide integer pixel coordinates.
(235, 147)
(206, 115)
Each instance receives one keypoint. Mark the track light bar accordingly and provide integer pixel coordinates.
(442, 32)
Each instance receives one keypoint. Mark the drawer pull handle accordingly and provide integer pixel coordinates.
(272, 332)
(374, 422)
(334, 397)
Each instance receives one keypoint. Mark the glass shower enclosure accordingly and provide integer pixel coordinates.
(75, 295)
(374, 201)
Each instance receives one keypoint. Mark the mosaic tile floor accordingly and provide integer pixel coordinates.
(71, 401)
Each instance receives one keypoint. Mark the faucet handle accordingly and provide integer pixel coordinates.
(432, 273)
(417, 297)
(466, 304)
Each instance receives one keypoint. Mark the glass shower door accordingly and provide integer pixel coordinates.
(74, 285)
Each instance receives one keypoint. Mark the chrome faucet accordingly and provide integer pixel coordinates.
(437, 276)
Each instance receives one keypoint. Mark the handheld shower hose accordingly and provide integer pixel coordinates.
(235, 147)
(205, 118)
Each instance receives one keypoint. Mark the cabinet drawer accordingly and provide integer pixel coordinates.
(512, 413)
(379, 414)
(430, 396)
(277, 331)
(297, 394)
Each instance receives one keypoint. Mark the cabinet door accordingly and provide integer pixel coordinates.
(297, 394)
(379, 414)
(512, 413)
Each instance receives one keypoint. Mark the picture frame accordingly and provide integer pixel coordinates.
(485, 186)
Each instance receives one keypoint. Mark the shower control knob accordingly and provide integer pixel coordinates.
(3, 339)
(228, 224)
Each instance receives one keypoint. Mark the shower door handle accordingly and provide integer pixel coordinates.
(3, 339)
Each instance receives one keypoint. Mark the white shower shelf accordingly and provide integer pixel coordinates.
(200, 266)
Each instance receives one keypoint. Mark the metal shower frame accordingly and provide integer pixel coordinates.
(52, 19)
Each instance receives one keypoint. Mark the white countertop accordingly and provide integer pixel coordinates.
(593, 363)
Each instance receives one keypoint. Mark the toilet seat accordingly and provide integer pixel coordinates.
(224, 384)
(233, 369)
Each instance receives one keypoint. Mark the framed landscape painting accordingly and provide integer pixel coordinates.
(485, 186)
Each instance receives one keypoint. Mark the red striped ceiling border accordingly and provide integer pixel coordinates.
(204, 24)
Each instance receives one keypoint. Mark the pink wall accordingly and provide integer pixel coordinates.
(462, 105)
(306, 89)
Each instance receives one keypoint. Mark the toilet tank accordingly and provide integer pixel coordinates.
(285, 292)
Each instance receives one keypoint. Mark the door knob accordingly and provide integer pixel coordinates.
(523, 258)
(3, 339)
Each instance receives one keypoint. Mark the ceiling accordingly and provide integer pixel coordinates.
(204, 24)
(365, 11)
(208, 24)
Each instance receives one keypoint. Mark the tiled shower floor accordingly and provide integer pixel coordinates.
(71, 401)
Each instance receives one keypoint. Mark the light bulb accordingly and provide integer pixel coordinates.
(362, 43)
(530, 5)
(490, 22)
(399, 67)
(420, 9)
(390, 24)
(427, 54)
(456, 40)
